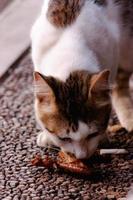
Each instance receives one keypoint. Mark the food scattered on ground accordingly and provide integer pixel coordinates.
(70, 163)
(64, 161)
(46, 162)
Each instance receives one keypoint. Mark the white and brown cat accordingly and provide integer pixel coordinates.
(77, 46)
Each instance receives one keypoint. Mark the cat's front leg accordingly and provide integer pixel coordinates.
(122, 101)
(42, 139)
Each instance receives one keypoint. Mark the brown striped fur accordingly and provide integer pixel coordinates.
(64, 12)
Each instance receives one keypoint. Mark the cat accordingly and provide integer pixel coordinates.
(82, 52)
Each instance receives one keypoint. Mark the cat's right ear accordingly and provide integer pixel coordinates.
(42, 89)
(99, 91)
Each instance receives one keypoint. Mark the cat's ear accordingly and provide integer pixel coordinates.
(43, 91)
(99, 88)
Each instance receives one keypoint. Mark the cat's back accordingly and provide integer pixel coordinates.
(65, 30)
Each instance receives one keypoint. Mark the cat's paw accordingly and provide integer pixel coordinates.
(124, 109)
(42, 140)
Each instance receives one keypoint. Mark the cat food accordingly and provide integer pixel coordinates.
(64, 161)
(70, 163)
(46, 162)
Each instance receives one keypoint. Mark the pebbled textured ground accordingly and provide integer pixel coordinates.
(19, 180)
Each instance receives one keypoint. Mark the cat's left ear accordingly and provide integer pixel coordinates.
(99, 88)
(42, 89)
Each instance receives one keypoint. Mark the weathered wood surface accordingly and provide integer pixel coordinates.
(15, 25)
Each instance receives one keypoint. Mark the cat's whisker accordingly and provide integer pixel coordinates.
(53, 148)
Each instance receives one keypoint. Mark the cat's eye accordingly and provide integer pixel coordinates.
(92, 135)
(41, 99)
(65, 139)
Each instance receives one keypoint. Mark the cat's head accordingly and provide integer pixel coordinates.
(73, 114)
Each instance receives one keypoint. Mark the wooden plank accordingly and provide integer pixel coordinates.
(15, 25)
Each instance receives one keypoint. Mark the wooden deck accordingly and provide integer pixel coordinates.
(15, 25)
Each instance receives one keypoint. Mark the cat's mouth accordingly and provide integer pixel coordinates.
(82, 149)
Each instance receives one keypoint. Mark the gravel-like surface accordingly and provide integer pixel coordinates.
(20, 180)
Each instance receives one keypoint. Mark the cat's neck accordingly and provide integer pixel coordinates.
(61, 64)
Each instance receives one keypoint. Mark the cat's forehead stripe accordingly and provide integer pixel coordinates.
(62, 13)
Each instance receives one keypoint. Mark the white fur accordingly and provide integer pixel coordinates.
(94, 42)
(91, 43)
(83, 131)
